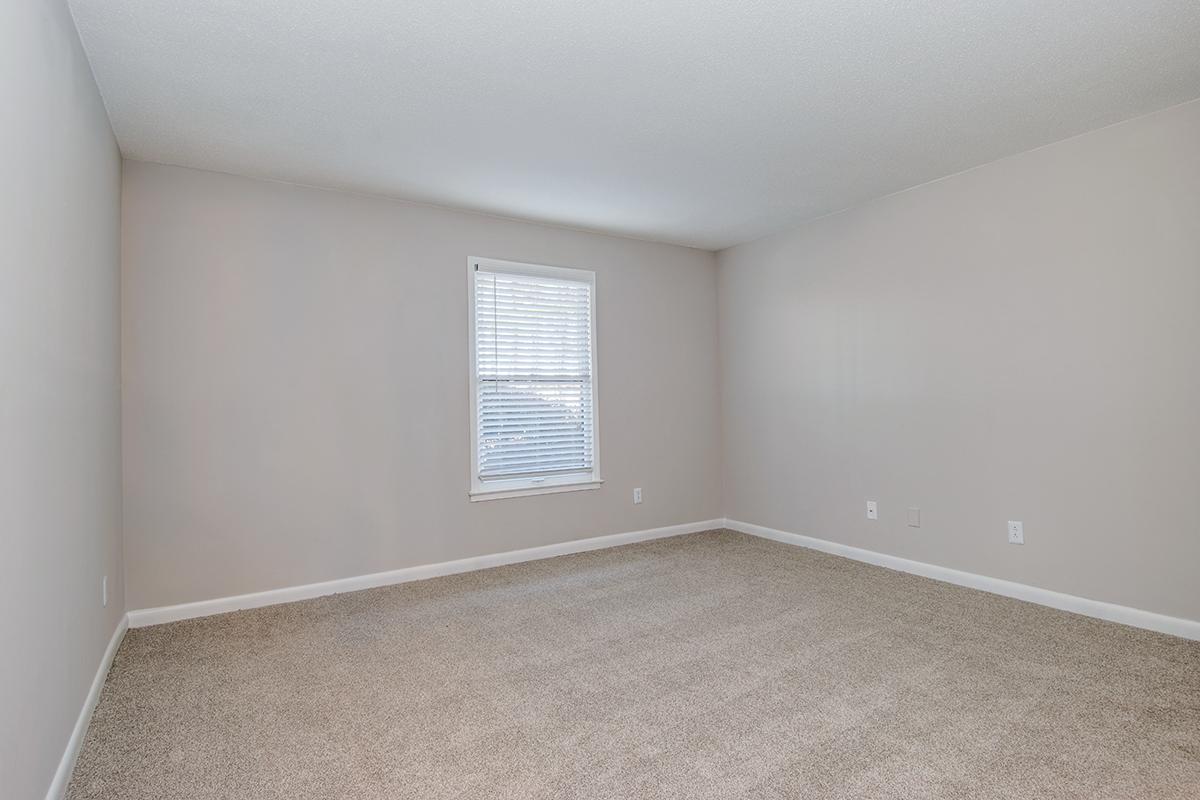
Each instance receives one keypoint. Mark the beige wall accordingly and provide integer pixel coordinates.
(1021, 341)
(296, 386)
(59, 389)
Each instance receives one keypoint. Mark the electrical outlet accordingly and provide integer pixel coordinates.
(104, 591)
(914, 517)
(1016, 532)
(872, 510)
(637, 496)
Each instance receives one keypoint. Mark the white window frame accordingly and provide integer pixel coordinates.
(547, 484)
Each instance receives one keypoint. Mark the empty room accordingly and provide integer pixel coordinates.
(488, 399)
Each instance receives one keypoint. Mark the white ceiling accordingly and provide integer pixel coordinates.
(702, 122)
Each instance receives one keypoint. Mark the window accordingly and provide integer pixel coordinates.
(533, 379)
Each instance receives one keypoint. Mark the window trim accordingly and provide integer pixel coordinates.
(547, 484)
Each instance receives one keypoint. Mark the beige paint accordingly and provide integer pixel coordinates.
(59, 389)
(296, 385)
(1021, 341)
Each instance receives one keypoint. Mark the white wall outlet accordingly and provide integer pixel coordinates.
(914, 517)
(1016, 532)
(872, 510)
(637, 496)
(104, 591)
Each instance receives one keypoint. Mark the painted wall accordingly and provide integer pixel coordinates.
(1020, 341)
(59, 389)
(296, 385)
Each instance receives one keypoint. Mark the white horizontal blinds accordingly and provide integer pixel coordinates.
(533, 353)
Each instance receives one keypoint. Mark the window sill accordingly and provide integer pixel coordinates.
(527, 491)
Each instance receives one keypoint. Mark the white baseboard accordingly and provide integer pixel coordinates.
(221, 605)
(1176, 626)
(66, 765)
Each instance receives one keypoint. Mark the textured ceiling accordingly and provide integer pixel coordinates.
(703, 122)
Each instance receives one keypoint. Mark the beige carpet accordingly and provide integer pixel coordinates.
(713, 665)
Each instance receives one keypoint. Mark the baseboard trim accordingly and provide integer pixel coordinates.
(203, 608)
(66, 765)
(1176, 626)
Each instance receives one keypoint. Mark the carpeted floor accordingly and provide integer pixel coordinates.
(714, 665)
